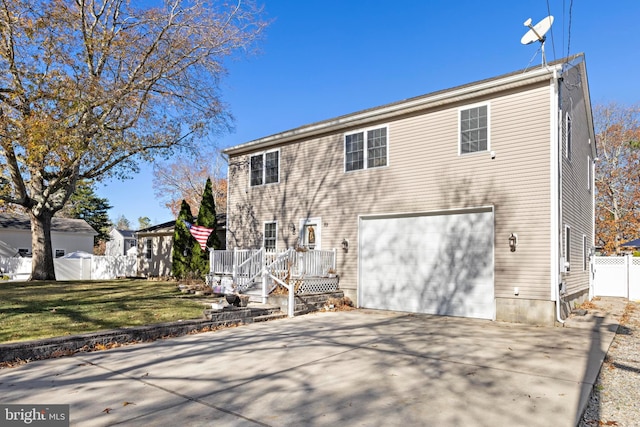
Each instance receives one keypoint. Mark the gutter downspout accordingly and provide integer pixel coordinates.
(558, 140)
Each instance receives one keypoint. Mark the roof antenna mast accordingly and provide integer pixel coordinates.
(538, 33)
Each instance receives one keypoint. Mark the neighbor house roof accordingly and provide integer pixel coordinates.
(158, 228)
(632, 244)
(60, 225)
(167, 227)
(419, 103)
(127, 234)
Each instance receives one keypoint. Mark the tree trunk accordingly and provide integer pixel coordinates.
(42, 261)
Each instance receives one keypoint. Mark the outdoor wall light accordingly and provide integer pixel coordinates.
(345, 245)
(513, 242)
(292, 227)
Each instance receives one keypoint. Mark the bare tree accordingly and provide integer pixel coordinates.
(617, 175)
(122, 223)
(184, 179)
(90, 88)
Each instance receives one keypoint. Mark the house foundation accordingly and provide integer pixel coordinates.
(528, 311)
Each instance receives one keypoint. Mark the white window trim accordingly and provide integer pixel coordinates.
(568, 138)
(148, 241)
(264, 167)
(567, 247)
(264, 237)
(468, 107)
(365, 148)
(589, 173)
(318, 230)
(585, 263)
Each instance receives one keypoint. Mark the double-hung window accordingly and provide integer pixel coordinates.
(585, 253)
(265, 168)
(567, 246)
(366, 149)
(270, 236)
(568, 136)
(148, 248)
(474, 129)
(589, 171)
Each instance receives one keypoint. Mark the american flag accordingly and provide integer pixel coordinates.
(200, 233)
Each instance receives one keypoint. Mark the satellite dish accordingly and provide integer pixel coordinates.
(537, 33)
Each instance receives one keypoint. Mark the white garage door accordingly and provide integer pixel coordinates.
(436, 264)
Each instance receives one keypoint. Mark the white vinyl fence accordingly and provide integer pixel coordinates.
(617, 276)
(94, 268)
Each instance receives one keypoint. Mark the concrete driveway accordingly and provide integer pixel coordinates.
(354, 368)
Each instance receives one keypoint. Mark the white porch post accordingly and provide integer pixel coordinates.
(265, 276)
(290, 309)
(335, 259)
(234, 264)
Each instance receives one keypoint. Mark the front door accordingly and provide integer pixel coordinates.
(310, 229)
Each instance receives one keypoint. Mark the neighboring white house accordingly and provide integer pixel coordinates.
(67, 235)
(123, 242)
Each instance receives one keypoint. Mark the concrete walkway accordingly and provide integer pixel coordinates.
(353, 368)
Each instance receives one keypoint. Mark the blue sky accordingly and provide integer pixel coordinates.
(322, 59)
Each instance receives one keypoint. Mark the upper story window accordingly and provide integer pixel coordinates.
(474, 129)
(365, 149)
(567, 136)
(589, 172)
(265, 168)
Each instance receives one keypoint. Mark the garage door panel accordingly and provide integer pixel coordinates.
(438, 264)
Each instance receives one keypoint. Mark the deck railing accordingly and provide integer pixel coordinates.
(310, 263)
(313, 263)
(247, 266)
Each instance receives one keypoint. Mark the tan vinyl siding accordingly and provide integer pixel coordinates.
(577, 202)
(425, 174)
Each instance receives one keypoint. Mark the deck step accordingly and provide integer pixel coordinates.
(267, 317)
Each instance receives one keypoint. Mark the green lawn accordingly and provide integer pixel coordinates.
(33, 310)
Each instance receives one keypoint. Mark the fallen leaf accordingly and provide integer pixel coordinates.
(125, 403)
(106, 410)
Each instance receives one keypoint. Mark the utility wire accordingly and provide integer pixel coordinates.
(563, 21)
(569, 34)
(553, 43)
